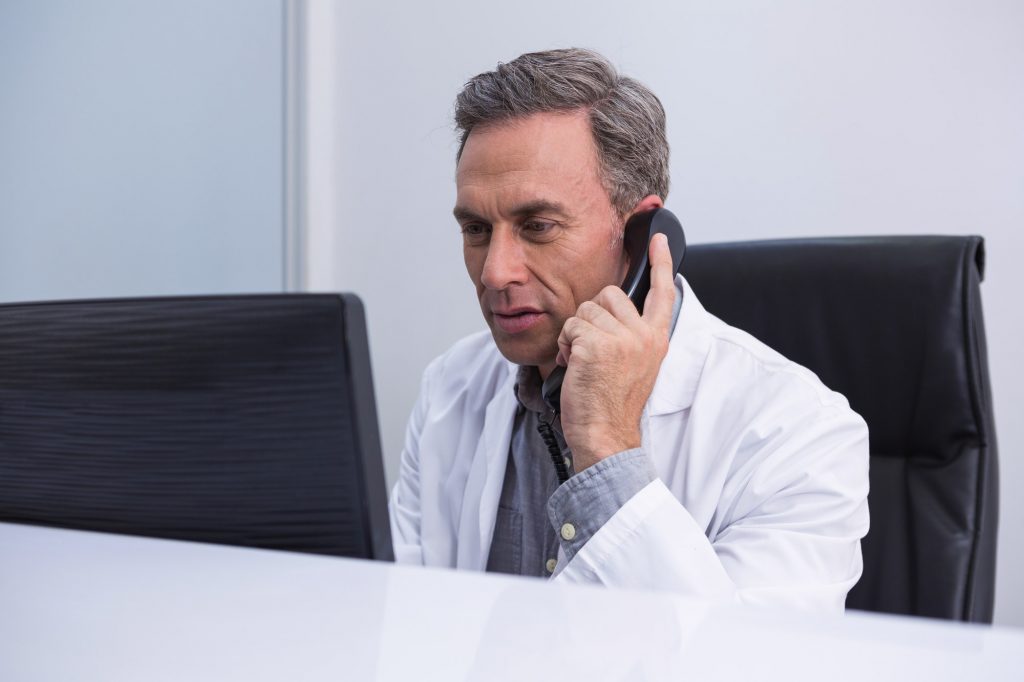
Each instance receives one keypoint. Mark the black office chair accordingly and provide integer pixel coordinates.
(895, 325)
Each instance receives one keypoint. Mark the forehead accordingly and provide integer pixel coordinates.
(551, 154)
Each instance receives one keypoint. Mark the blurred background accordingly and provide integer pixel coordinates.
(221, 146)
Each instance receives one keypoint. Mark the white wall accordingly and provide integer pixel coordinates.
(141, 147)
(785, 118)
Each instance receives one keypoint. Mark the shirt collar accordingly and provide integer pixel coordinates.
(528, 389)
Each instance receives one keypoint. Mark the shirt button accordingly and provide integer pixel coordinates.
(550, 565)
(568, 531)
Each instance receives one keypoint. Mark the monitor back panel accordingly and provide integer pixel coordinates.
(219, 419)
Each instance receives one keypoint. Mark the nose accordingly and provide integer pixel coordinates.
(505, 263)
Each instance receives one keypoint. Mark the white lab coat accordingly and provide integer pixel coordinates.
(762, 488)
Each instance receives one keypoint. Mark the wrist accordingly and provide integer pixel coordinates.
(601, 444)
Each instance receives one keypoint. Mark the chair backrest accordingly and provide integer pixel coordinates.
(895, 325)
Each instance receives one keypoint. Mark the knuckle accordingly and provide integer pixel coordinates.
(587, 308)
(660, 343)
(653, 341)
(573, 326)
(609, 293)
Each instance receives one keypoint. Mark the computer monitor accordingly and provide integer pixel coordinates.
(239, 420)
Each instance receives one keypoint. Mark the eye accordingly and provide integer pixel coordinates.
(476, 233)
(538, 229)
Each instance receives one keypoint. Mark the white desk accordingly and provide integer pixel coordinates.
(89, 606)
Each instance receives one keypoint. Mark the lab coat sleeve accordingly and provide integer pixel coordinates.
(405, 498)
(793, 539)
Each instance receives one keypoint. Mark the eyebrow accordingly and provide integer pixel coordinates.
(462, 213)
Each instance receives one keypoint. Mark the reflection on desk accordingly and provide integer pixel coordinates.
(89, 606)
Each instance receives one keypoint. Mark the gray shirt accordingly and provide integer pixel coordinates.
(533, 508)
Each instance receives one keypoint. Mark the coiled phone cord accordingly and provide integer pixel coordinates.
(547, 434)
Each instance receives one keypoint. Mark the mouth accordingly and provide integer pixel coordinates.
(517, 320)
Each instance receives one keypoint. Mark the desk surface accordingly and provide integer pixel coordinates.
(89, 606)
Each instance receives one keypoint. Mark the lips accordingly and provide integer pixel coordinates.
(517, 320)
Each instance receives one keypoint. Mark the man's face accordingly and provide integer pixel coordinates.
(540, 235)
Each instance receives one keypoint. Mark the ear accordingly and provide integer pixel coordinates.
(648, 203)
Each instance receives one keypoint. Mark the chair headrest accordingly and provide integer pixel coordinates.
(892, 323)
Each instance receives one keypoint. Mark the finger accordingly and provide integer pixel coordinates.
(615, 301)
(596, 313)
(662, 297)
(574, 329)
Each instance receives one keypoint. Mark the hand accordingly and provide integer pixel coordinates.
(612, 356)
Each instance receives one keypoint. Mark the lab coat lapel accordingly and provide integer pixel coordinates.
(687, 351)
(486, 474)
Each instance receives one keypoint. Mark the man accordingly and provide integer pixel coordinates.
(704, 463)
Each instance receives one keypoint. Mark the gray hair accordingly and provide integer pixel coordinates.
(626, 118)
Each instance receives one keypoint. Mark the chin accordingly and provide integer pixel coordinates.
(524, 351)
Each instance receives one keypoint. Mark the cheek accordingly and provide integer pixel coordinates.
(474, 264)
(603, 266)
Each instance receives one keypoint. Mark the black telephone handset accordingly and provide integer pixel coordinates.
(639, 231)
